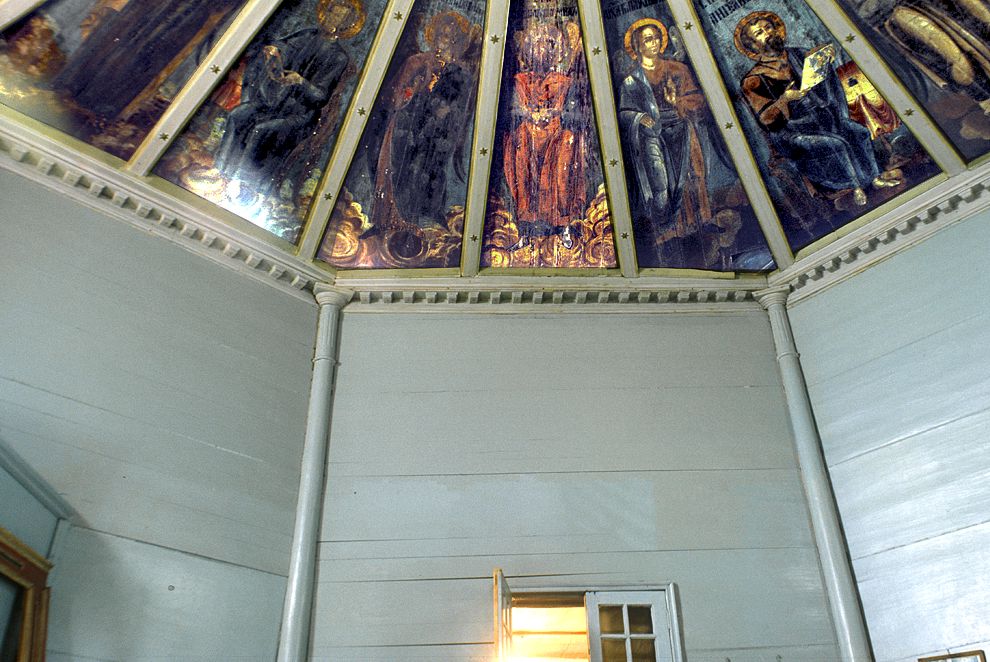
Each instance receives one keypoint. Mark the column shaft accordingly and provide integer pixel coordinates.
(299, 592)
(840, 583)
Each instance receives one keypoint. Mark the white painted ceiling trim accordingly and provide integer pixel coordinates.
(552, 294)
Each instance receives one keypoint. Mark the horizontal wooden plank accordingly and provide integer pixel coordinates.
(896, 303)
(533, 429)
(75, 246)
(730, 598)
(91, 384)
(935, 381)
(945, 581)
(817, 653)
(413, 613)
(194, 513)
(143, 315)
(117, 599)
(207, 367)
(569, 512)
(403, 353)
(122, 437)
(918, 488)
(444, 653)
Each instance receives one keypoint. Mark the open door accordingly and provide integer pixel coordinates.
(503, 616)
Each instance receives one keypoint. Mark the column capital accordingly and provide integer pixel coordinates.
(328, 295)
(772, 295)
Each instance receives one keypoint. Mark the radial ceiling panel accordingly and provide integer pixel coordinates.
(104, 71)
(688, 204)
(547, 201)
(829, 146)
(941, 51)
(259, 145)
(402, 203)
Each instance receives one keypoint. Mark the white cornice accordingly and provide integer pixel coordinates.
(943, 205)
(509, 295)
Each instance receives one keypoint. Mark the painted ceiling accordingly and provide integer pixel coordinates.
(457, 137)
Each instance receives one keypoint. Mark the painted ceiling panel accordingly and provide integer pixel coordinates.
(829, 146)
(756, 122)
(547, 201)
(104, 71)
(689, 207)
(259, 145)
(940, 50)
(402, 203)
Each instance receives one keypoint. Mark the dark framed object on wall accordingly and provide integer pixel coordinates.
(23, 601)
(965, 656)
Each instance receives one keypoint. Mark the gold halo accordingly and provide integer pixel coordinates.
(642, 23)
(359, 16)
(429, 33)
(776, 21)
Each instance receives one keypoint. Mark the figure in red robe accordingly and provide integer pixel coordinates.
(544, 160)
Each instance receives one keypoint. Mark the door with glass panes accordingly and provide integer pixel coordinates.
(629, 626)
(596, 626)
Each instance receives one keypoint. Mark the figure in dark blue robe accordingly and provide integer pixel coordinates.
(673, 150)
(809, 127)
(286, 84)
(131, 51)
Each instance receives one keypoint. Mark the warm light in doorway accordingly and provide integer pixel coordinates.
(549, 634)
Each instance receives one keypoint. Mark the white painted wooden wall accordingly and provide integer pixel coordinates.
(119, 599)
(567, 450)
(164, 397)
(898, 369)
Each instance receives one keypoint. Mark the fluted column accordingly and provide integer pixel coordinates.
(297, 611)
(840, 584)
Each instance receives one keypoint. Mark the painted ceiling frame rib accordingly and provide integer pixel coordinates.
(207, 76)
(483, 143)
(352, 128)
(11, 10)
(719, 101)
(603, 98)
(870, 63)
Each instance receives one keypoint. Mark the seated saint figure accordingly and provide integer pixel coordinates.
(810, 127)
(286, 84)
(668, 132)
